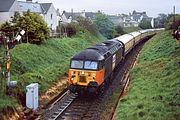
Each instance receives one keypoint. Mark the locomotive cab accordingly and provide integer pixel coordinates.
(86, 71)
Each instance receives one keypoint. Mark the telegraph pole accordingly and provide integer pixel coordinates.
(174, 12)
(8, 63)
(1, 77)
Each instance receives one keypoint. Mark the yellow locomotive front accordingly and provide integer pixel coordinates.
(85, 75)
(91, 69)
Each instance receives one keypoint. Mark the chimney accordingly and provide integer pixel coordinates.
(28, 0)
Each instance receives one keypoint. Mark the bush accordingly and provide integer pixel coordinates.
(35, 27)
(104, 25)
(144, 24)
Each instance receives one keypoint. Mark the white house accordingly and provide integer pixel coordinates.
(68, 17)
(7, 9)
(50, 15)
(46, 10)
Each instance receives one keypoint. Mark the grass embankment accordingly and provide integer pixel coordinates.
(45, 63)
(131, 29)
(154, 92)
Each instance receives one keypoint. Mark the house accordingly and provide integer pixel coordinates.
(133, 20)
(50, 15)
(116, 19)
(46, 10)
(138, 16)
(7, 9)
(68, 17)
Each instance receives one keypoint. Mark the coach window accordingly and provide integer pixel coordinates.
(90, 65)
(76, 64)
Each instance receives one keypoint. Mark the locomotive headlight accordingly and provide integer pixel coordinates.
(82, 72)
(93, 74)
(72, 78)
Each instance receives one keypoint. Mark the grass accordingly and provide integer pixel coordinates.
(45, 63)
(7, 103)
(131, 29)
(154, 92)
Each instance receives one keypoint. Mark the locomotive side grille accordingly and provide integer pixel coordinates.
(82, 78)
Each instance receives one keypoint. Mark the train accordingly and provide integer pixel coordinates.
(91, 69)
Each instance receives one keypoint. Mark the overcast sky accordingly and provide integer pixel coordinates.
(152, 7)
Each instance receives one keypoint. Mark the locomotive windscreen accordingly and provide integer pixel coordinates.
(77, 64)
(88, 65)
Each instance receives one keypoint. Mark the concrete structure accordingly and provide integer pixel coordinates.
(32, 96)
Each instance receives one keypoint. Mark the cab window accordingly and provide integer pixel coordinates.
(90, 65)
(76, 64)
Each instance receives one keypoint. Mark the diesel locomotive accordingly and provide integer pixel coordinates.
(93, 67)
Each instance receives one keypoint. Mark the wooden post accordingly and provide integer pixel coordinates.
(1, 77)
(174, 12)
(27, 37)
(8, 63)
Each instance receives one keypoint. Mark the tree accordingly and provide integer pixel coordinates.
(87, 25)
(104, 25)
(144, 24)
(119, 30)
(8, 29)
(173, 21)
(35, 27)
(15, 17)
(160, 21)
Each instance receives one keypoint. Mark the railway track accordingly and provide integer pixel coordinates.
(85, 107)
(59, 106)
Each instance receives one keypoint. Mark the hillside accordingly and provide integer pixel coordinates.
(44, 64)
(154, 91)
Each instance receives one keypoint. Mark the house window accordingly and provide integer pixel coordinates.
(51, 16)
(51, 26)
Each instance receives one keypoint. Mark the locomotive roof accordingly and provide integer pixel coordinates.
(89, 54)
(99, 51)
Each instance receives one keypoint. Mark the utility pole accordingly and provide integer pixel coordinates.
(174, 12)
(1, 77)
(8, 63)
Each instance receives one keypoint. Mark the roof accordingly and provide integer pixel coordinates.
(124, 38)
(90, 14)
(89, 54)
(45, 6)
(77, 14)
(33, 7)
(135, 34)
(67, 14)
(140, 13)
(74, 15)
(5, 5)
(99, 51)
